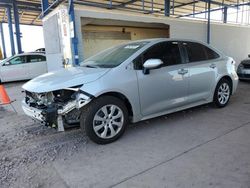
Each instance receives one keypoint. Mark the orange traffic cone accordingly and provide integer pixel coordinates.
(4, 98)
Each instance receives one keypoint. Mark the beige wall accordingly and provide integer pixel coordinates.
(99, 41)
(233, 40)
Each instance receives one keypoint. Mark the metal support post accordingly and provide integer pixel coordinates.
(208, 21)
(173, 7)
(74, 40)
(110, 3)
(17, 27)
(225, 15)
(3, 40)
(167, 8)
(12, 44)
(45, 5)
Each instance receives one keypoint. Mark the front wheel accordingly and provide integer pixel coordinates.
(104, 119)
(222, 93)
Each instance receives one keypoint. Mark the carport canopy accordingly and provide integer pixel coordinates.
(30, 11)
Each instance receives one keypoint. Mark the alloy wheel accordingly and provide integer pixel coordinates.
(223, 93)
(108, 121)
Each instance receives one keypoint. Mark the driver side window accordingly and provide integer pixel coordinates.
(168, 52)
(17, 60)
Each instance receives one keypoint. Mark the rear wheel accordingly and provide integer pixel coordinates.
(222, 93)
(104, 119)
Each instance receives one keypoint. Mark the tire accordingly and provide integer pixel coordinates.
(222, 93)
(101, 128)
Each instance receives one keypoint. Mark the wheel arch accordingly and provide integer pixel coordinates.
(230, 81)
(121, 97)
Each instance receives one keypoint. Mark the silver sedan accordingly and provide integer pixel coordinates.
(130, 83)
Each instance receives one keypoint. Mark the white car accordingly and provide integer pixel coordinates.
(23, 67)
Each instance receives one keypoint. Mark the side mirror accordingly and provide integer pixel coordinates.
(6, 63)
(249, 55)
(151, 64)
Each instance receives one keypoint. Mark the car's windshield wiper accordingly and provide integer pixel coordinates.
(91, 66)
(98, 66)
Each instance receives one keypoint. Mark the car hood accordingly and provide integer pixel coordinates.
(64, 78)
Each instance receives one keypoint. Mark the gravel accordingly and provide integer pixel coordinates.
(27, 150)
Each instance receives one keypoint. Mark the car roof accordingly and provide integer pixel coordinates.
(27, 53)
(156, 40)
(168, 39)
(31, 53)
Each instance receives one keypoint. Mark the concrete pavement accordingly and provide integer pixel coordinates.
(199, 147)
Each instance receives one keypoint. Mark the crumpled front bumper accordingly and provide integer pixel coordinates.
(34, 113)
(49, 117)
(52, 115)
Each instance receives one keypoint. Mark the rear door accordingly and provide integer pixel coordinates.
(202, 70)
(37, 65)
(15, 69)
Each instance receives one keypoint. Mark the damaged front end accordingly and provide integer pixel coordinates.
(56, 108)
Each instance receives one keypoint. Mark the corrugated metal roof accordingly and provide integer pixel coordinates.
(29, 10)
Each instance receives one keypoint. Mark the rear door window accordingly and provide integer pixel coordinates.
(35, 58)
(198, 52)
(195, 52)
(211, 54)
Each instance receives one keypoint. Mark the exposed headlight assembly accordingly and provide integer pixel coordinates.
(81, 98)
(52, 108)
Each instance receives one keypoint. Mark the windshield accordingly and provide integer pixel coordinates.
(5, 60)
(114, 56)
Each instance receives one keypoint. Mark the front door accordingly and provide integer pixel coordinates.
(164, 88)
(15, 69)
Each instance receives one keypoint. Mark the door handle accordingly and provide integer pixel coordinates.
(212, 66)
(182, 71)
